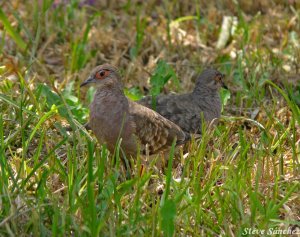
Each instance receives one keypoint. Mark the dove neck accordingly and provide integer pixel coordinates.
(209, 99)
(202, 90)
(108, 90)
(111, 96)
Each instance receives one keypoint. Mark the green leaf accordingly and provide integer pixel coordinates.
(11, 31)
(168, 213)
(73, 103)
(90, 94)
(133, 93)
(225, 96)
(162, 74)
(53, 99)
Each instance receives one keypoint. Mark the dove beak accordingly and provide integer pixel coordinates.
(88, 81)
(224, 85)
(222, 82)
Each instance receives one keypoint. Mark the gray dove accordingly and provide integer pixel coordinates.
(113, 116)
(187, 110)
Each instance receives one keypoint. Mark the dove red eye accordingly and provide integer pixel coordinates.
(219, 77)
(102, 74)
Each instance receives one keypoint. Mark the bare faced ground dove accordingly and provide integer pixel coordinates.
(186, 110)
(113, 116)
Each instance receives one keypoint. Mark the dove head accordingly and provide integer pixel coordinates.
(210, 79)
(104, 76)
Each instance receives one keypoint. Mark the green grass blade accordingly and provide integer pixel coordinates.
(11, 31)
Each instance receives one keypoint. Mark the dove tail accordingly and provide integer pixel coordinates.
(186, 138)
